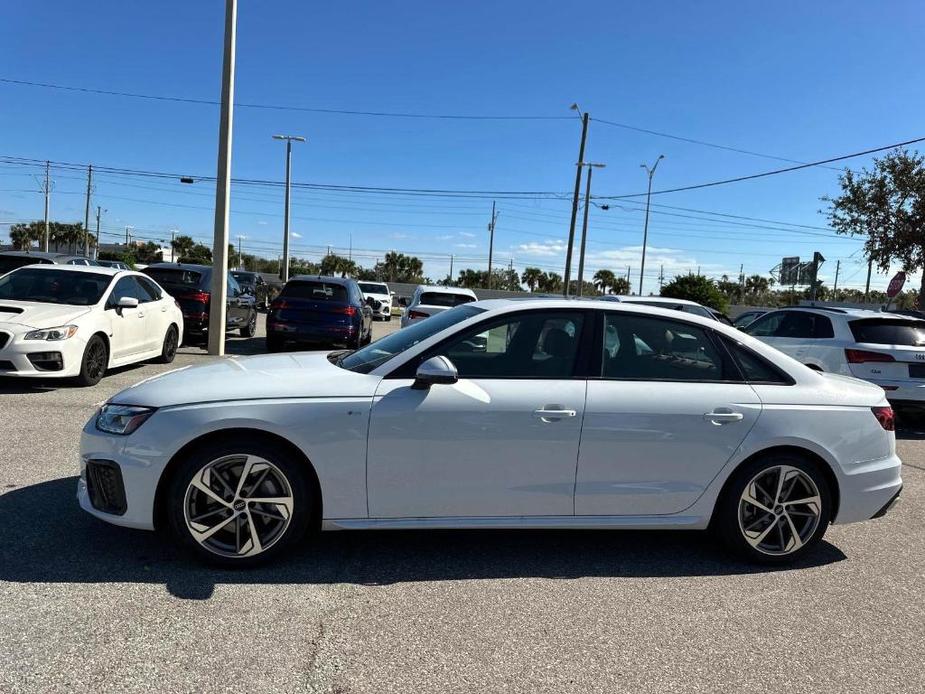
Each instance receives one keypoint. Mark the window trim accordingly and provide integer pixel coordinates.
(729, 364)
(786, 379)
(583, 355)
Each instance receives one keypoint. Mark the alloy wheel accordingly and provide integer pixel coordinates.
(779, 510)
(96, 360)
(238, 505)
(171, 343)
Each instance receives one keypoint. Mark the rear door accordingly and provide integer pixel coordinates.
(157, 314)
(667, 411)
(807, 337)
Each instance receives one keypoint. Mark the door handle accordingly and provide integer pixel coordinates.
(553, 414)
(723, 417)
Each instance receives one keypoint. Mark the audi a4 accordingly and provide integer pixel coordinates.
(538, 413)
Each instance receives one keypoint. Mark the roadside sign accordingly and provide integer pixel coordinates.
(896, 284)
(790, 270)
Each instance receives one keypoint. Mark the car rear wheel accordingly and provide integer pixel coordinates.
(250, 329)
(239, 503)
(775, 509)
(169, 348)
(94, 362)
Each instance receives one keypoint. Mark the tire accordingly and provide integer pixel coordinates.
(169, 348)
(756, 516)
(274, 343)
(369, 336)
(250, 329)
(207, 489)
(94, 362)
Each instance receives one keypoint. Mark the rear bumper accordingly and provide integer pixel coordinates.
(295, 332)
(905, 391)
(868, 489)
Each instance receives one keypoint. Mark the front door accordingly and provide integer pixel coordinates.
(502, 441)
(128, 325)
(666, 414)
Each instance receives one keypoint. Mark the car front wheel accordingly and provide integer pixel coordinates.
(239, 503)
(775, 509)
(94, 362)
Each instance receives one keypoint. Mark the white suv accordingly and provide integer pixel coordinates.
(884, 348)
(431, 300)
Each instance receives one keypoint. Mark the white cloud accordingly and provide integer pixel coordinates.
(444, 237)
(295, 234)
(465, 245)
(398, 235)
(467, 234)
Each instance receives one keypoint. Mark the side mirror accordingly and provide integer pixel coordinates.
(128, 302)
(435, 371)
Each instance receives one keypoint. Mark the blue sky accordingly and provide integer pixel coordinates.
(791, 79)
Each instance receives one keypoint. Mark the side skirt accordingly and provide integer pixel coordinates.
(522, 522)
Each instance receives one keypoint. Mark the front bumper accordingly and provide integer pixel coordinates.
(867, 490)
(42, 358)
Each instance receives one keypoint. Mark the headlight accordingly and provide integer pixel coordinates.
(52, 334)
(122, 419)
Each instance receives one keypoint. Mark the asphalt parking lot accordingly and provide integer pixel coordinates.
(91, 607)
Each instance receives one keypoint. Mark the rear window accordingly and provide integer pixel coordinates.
(370, 288)
(175, 278)
(11, 262)
(442, 299)
(881, 331)
(316, 291)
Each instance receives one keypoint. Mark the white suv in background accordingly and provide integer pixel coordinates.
(381, 293)
(884, 348)
(430, 300)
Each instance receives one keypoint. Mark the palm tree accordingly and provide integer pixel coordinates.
(551, 283)
(603, 280)
(620, 285)
(532, 277)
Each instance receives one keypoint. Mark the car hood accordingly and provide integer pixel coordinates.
(295, 375)
(34, 314)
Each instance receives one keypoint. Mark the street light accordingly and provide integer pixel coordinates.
(571, 229)
(584, 227)
(645, 229)
(284, 271)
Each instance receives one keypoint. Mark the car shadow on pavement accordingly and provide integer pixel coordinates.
(47, 538)
(242, 346)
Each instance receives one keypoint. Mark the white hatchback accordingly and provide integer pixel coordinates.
(537, 413)
(884, 348)
(60, 321)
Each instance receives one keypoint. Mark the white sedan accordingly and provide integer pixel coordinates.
(428, 301)
(498, 414)
(61, 321)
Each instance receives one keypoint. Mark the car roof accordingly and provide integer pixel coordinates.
(322, 278)
(847, 311)
(93, 269)
(36, 254)
(439, 289)
(654, 299)
(601, 304)
(180, 266)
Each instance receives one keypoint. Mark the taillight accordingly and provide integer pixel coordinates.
(885, 416)
(859, 356)
(417, 314)
(277, 304)
(201, 297)
(348, 310)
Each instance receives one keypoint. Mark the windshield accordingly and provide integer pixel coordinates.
(444, 299)
(380, 351)
(370, 288)
(54, 286)
(245, 277)
(175, 278)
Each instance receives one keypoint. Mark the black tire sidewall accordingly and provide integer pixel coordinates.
(727, 516)
(294, 470)
(83, 379)
(168, 358)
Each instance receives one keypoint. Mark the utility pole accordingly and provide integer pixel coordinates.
(126, 236)
(835, 286)
(491, 240)
(571, 228)
(451, 269)
(645, 229)
(99, 212)
(240, 254)
(661, 277)
(284, 275)
(741, 281)
(217, 306)
(870, 266)
(584, 227)
(47, 189)
(628, 277)
(87, 212)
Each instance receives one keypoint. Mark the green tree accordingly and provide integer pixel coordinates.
(603, 280)
(696, 288)
(182, 246)
(532, 277)
(398, 267)
(887, 206)
(551, 283)
(620, 285)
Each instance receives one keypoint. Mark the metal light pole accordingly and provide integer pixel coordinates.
(645, 229)
(240, 254)
(284, 271)
(571, 229)
(584, 227)
(219, 297)
(47, 190)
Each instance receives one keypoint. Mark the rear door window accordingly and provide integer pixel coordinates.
(443, 299)
(880, 331)
(315, 291)
(173, 279)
